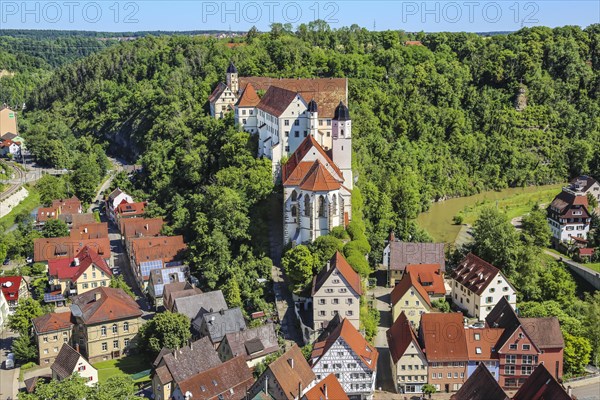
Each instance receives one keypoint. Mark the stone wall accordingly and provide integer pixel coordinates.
(7, 204)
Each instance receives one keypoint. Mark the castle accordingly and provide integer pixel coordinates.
(304, 128)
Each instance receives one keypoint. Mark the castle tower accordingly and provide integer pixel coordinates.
(232, 79)
(341, 134)
(313, 118)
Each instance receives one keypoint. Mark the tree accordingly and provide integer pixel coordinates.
(55, 228)
(428, 389)
(20, 320)
(170, 330)
(118, 282)
(231, 290)
(592, 201)
(72, 388)
(324, 248)
(442, 305)
(298, 264)
(115, 387)
(535, 225)
(576, 354)
(24, 348)
(51, 188)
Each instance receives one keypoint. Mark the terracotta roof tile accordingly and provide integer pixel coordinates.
(297, 157)
(10, 287)
(52, 322)
(443, 336)
(352, 337)
(338, 262)
(111, 305)
(228, 381)
(481, 342)
(66, 268)
(165, 248)
(45, 249)
(130, 209)
(318, 179)
(276, 100)
(249, 97)
(407, 282)
(399, 337)
(327, 92)
(164, 376)
(288, 377)
(95, 230)
(137, 227)
(429, 277)
(328, 388)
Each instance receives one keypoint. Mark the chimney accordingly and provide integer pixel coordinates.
(97, 296)
(77, 348)
(147, 227)
(325, 391)
(84, 230)
(328, 265)
(266, 384)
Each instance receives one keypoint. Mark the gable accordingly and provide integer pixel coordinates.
(499, 287)
(329, 281)
(519, 337)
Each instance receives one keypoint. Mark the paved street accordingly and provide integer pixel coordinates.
(589, 391)
(381, 296)
(9, 384)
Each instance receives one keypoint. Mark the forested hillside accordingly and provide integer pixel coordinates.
(428, 121)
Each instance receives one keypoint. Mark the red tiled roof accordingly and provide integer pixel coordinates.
(95, 230)
(128, 209)
(400, 336)
(290, 377)
(566, 203)
(338, 262)
(444, 337)
(52, 322)
(68, 206)
(45, 249)
(10, 287)
(481, 341)
(352, 337)
(249, 97)
(586, 252)
(319, 179)
(329, 388)
(276, 100)
(137, 227)
(327, 92)
(165, 248)
(408, 281)
(112, 304)
(474, 273)
(297, 157)
(413, 43)
(429, 276)
(46, 213)
(228, 381)
(65, 268)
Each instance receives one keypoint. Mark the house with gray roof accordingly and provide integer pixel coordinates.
(174, 366)
(217, 324)
(255, 344)
(70, 361)
(162, 276)
(199, 304)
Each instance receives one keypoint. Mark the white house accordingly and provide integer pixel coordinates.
(409, 364)
(115, 198)
(4, 310)
(477, 286)
(586, 184)
(347, 354)
(10, 147)
(568, 216)
(69, 362)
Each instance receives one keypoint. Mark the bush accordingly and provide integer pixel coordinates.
(458, 219)
(359, 264)
(359, 246)
(442, 305)
(28, 365)
(38, 269)
(340, 233)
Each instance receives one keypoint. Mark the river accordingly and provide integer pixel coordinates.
(516, 201)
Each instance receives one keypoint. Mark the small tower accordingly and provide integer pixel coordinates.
(232, 78)
(341, 134)
(313, 118)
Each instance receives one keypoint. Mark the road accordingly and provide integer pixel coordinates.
(9, 383)
(14, 183)
(590, 391)
(117, 167)
(380, 295)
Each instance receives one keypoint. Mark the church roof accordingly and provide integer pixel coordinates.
(249, 97)
(312, 106)
(231, 69)
(318, 179)
(297, 157)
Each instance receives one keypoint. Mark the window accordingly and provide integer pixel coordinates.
(244, 121)
(84, 286)
(350, 301)
(321, 206)
(294, 211)
(243, 112)
(449, 375)
(477, 336)
(85, 275)
(456, 375)
(126, 326)
(45, 351)
(306, 206)
(65, 340)
(103, 331)
(296, 133)
(94, 284)
(477, 350)
(329, 290)
(513, 347)
(104, 346)
(526, 369)
(406, 303)
(417, 302)
(322, 313)
(511, 359)
(492, 290)
(335, 281)
(342, 290)
(115, 329)
(321, 301)
(509, 370)
(94, 275)
(526, 347)
(81, 368)
(335, 301)
(115, 344)
(45, 339)
(528, 359)
(305, 134)
(297, 122)
(489, 299)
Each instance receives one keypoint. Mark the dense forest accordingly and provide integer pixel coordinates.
(430, 121)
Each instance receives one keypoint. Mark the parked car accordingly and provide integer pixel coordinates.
(29, 260)
(10, 361)
(116, 271)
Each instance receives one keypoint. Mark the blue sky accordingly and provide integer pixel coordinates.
(429, 16)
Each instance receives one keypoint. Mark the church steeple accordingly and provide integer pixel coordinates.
(232, 78)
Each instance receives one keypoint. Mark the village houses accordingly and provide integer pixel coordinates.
(51, 331)
(397, 255)
(68, 362)
(411, 298)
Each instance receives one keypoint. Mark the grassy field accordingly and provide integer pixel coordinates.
(27, 205)
(514, 206)
(124, 366)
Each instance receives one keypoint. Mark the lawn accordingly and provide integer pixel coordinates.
(514, 206)
(27, 205)
(124, 366)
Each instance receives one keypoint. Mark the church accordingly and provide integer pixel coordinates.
(304, 128)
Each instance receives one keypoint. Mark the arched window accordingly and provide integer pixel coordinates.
(294, 211)
(126, 326)
(321, 206)
(306, 206)
(115, 329)
(103, 331)
(294, 196)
